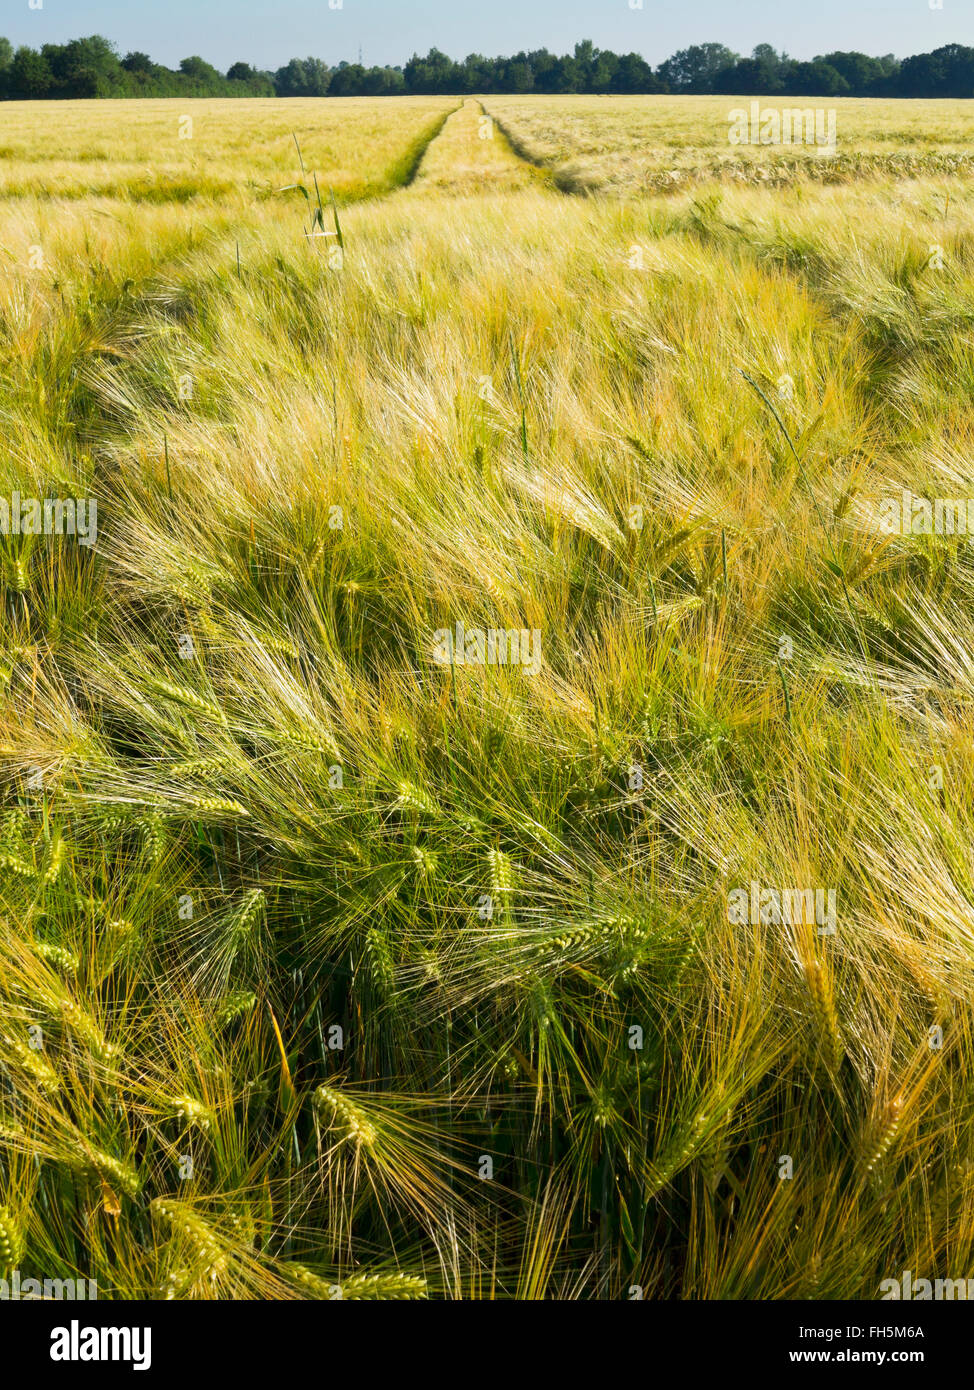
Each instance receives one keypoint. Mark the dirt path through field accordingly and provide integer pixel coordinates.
(472, 155)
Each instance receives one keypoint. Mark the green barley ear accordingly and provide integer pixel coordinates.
(572, 937)
(603, 1108)
(234, 1006)
(313, 1284)
(111, 1170)
(31, 1062)
(413, 798)
(501, 885)
(182, 695)
(382, 971)
(283, 647)
(886, 1136)
(501, 876)
(324, 746)
(383, 1286)
(194, 584)
(344, 1115)
(246, 919)
(357, 1287)
(14, 831)
(153, 832)
(191, 1113)
(12, 1242)
(681, 1150)
(206, 767)
(54, 864)
(825, 1015)
(85, 1029)
(15, 574)
(110, 820)
(123, 938)
(208, 1249)
(218, 806)
(426, 862)
(12, 864)
(58, 957)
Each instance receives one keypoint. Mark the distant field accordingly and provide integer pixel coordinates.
(146, 150)
(639, 143)
(428, 966)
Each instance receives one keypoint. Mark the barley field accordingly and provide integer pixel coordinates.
(341, 957)
(641, 144)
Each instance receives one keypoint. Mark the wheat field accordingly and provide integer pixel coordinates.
(330, 967)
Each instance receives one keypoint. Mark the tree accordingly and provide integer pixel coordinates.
(750, 76)
(30, 75)
(348, 80)
(381, 82)
(946, 72)
(518, 74)
(6, 59)
(694, 69)
(291, 80)
(818, 79)
(585, 54)
(137, 62)
(602, 72)
(544, 65)
(477, 73)
(864, 75)
(141, 76)
(257, 84)
(318, 76)
(634, 75)
(91, 67)
(435, 73)
(200, 72)
(765, 53)
(569, 76)
(84, 67)
(305, 77)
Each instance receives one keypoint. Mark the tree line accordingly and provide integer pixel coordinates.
(92, 67)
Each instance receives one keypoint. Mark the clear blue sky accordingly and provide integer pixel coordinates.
(268, 32)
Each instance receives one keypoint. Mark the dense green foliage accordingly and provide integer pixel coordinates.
(91, 67)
